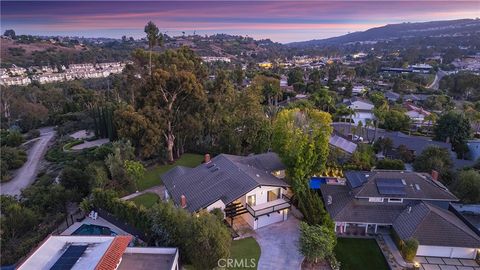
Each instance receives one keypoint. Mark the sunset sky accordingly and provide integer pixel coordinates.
(282, 21)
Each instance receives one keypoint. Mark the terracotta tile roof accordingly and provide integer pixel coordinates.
(114, 253)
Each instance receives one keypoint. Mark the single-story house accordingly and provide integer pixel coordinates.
(250, 187)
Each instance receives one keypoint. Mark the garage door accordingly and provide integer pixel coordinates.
(453, 252)
(267, 220)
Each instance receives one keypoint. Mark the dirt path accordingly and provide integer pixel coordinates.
(27, 173)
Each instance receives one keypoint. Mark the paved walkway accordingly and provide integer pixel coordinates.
(394, 251)
(27, 174)
(437, 263)
(279, 245)
(159, 190)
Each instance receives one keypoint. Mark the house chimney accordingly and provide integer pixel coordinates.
(434, 175)
(183, 201)
(206, 158)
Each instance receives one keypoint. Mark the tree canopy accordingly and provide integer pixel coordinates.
(301, 139)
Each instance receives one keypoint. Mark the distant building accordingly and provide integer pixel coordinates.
(265, 65)
(392, 96)
(359, 90)
(363, 110)
(421, 68)
(416, 114)
(9, 81)
(17, 71)
(210, 59)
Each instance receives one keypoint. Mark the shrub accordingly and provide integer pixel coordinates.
(311, 206)
(11, 138)
(467, 186)
(390, 164)
(217, 212)
(316, 242)
(409, 250)
(31, 134)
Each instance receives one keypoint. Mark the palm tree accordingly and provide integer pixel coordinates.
(431, 118)
(154, 38)
(380, 113)
(368, 123)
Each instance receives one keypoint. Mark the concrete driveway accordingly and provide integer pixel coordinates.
(279, 245)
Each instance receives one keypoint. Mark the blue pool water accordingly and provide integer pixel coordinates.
(89, 229)
(315, 182)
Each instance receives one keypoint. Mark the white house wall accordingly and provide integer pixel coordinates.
(217, 204)
(449, 252)
(261, 194)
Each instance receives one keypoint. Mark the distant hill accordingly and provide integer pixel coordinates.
(403, 30)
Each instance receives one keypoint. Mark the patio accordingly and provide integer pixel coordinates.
(437, 263)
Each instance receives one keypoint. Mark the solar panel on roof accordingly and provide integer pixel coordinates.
(388, 186)
(69, 257)
(356, 179)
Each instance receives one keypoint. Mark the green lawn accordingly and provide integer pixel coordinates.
(357, 254)
(147, 199)
(246, 249)
(152, 176)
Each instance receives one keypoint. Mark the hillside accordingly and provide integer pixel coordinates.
(23, 54)
(454, 28)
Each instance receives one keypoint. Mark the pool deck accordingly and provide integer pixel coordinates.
(99, 221)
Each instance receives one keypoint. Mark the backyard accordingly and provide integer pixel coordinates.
(245, 249)
(357, 254)
(147, 199)
(152, 175)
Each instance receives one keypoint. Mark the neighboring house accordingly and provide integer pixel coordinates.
(247, 187)
(98, 252)
(363, 110)
(439, 232)
(392, 96)
(413, 204)
(342, 144)
(416, 114)
(358, 90)
(415, 98)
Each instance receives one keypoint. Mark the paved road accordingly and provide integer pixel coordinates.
(436, 82)
(27, 173)
(279, 245)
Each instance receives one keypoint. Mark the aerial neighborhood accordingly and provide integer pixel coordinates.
(218, 151)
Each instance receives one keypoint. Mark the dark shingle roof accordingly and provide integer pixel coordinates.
(434, 226)
(414, 143)
(342, 143)
(344, 208)
(428, 189)
(225, 177)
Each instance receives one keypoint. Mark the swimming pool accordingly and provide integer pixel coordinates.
(89, 229)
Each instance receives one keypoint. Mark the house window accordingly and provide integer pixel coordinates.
(251, 200)
(395, 200)
(273, 194)
(375, 199)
